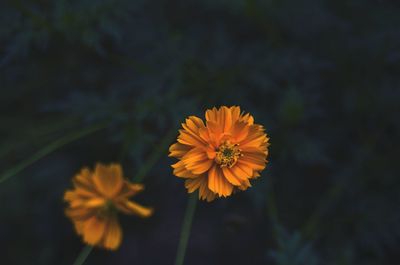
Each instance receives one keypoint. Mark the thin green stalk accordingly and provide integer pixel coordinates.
(312, 223)
(49, 149)
(185, 232)
(155, 156)
(272, 209)
(83, 255)
(145, 168)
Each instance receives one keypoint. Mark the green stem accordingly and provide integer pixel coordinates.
(309, 229)
(49, 149)
(272, 208)
(83, 255)
(185, 232)
(155, 156)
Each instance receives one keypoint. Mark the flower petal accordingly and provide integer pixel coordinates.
(130, 207)
(211, 114)
(240, 173)
(80, 214)
(108, 179)
(226, 119)
(178, 150)
(93, 230)
(255, 162)
(239, 131)
(193, 184)
(200, 167)
(188, 138)
(181, 171)
(83, 183)
(95, 202)
(231, 177)
(113, 234)
(195, 155)
(235, 113)
(245, 168)
(218, 183)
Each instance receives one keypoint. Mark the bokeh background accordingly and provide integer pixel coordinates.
(85, 81)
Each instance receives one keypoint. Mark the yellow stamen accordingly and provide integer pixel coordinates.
(227, 154)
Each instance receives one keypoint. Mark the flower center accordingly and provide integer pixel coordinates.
(106, 210)
(227, 154)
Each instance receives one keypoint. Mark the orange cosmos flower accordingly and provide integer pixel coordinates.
(222, 155)
(95, 200)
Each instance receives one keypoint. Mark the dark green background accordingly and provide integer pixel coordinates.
(321, 76)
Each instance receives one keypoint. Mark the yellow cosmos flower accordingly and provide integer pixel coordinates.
(222, 155)
(95, 200)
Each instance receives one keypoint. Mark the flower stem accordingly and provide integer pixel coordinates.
(155, 155)
(83, 255)
(185, 232)
(49, 149)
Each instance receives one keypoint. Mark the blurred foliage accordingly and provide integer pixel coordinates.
(322, 76)
(292, 251)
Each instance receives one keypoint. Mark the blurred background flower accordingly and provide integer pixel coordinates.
(95, 200)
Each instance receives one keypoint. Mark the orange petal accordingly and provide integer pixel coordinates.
(78, 227)
(200, 167)
(81, 214)
(84, 184)
(240, 173)
(217, 182)
(255, 163)
(108, 179)
(239, 131)
(226, 187)
(70, 195)
(93, 230)
(255, 138)
(193, 124)
(256, 151)
(247, 118)
(200, 183)
(245, 168)
(95, 202)
(194, 155)
(129, 190)
(83, 177)
(235, 113)
(231, 177)
(204, 134)
(187, 138)
(178, 150)
(204, 192)
(197, 121)
(86, 192)
(134, 187)
(212, 175)
(77, 203)
(193, 184)
(191, 128)
(215, 129)
(113, 234)
(207, 194)
(211, 114)
(245, 185)
(137, 209)
(181, 171)
(226, 119)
